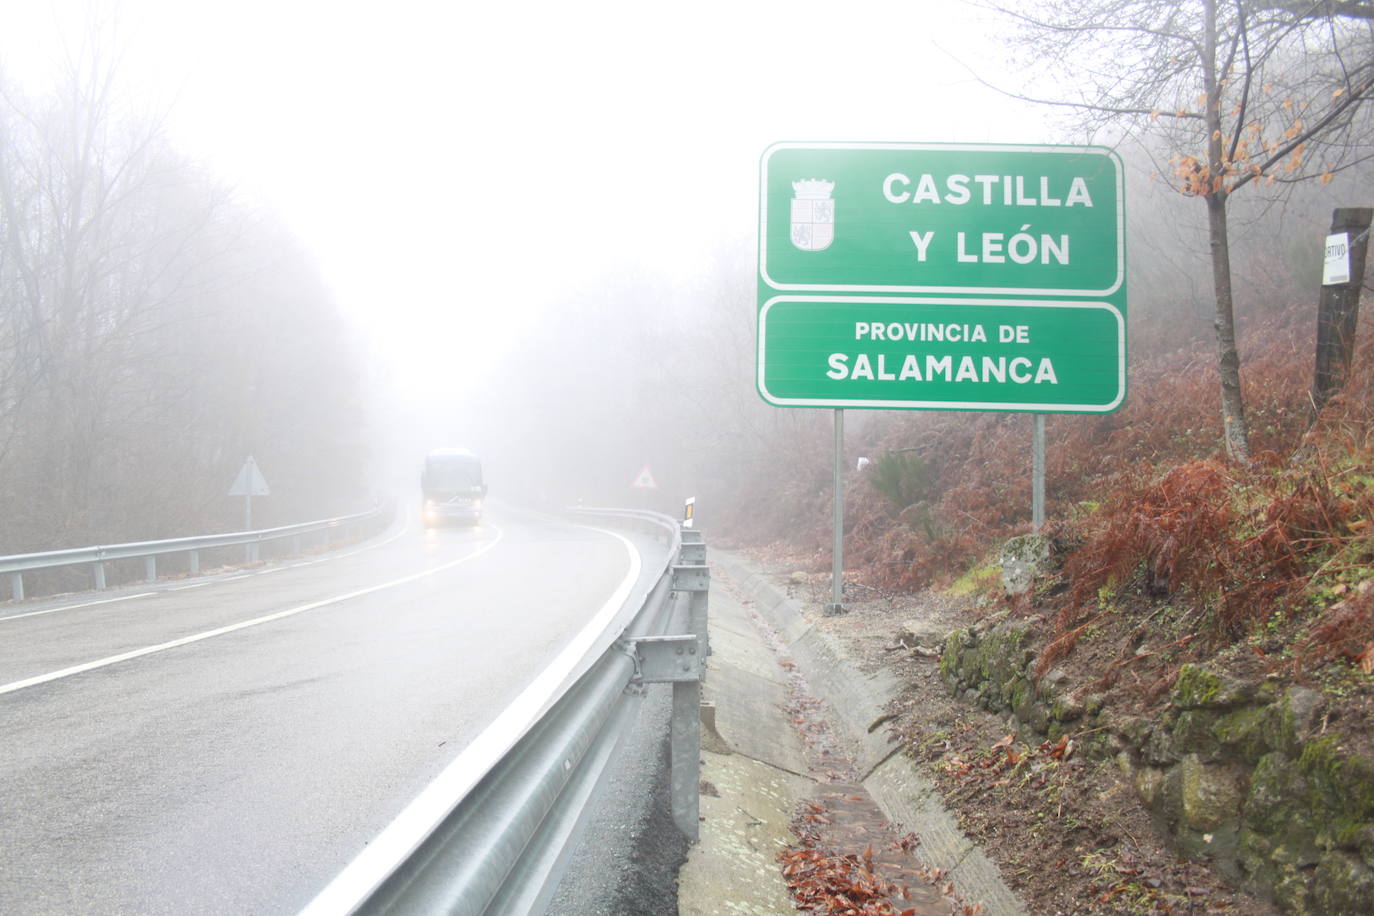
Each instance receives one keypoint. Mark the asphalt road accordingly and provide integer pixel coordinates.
(227, 744)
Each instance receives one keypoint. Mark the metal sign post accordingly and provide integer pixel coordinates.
(836, 605)
(1038, 474)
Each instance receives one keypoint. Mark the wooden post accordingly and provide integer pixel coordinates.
(1338, 309)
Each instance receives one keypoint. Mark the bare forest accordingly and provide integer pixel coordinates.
(155, 332)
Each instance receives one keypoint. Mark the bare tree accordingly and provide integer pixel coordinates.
(1245, 92)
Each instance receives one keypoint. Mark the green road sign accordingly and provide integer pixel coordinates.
(949, 248)
(942, 219)
(946, 354)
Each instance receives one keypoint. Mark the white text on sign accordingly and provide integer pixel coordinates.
(897, 189)
(1019, 370)
(928, 331)
(1020, 247)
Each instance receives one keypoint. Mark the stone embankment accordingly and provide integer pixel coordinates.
(1245, 774)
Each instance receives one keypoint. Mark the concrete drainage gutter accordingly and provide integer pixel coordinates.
(907, 797)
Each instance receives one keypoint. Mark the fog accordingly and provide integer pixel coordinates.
(525, 229)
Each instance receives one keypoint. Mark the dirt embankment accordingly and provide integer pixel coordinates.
(1060, 817)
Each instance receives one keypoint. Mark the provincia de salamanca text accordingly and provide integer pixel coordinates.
(885, 367)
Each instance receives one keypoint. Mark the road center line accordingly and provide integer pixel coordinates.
(232, 628)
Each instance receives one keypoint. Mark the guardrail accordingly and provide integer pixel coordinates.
(492, 834)
(15, 566)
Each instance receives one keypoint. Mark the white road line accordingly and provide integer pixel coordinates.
(419, 819)
(182, 588)
(72, 607)
(256, 621)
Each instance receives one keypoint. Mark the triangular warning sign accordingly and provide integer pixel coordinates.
(250, 481)
(645, 480)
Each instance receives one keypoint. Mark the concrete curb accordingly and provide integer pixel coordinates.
(907, 797)
(753, 775)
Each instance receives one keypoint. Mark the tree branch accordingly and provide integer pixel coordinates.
(1082, 106)
(1350, 100)
(1088, 28)
(1245, 86)
(1345, 9)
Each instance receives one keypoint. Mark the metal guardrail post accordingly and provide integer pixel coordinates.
(99, 575)
(17, 586)
(695, 582)
(692, 552)
(150, 569)
(195, 562)
(678, 660)
(685, 776)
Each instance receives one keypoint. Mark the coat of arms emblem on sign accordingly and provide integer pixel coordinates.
(813, 214)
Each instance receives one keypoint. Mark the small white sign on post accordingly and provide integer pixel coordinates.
(645, 480)
(1336, 266)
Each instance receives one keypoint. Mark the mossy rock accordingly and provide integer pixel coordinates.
(1340, 787)
(994, 662)
(1199, 688)
(1223, 728)
(1343, 884)
(1210, 795)
(1169, 801)
(1158, 747)
(1024, 702)
(1277, 801)
(1293, 719)
(958, 660)
(1149, 784)
(1023, 558)
(1245, 733)
(1134, 730)
(1064, 708)
(1194, 734)
(1002, 654)
(1276, 867)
